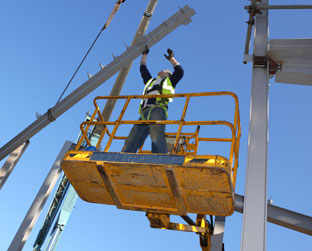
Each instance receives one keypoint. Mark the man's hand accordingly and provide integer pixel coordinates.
(146, 51)
(170, 54)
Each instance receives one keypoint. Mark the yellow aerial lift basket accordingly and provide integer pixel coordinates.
(179, 182)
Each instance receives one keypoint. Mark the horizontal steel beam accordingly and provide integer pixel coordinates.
(280, 7)
(282, 217)
(183, 16)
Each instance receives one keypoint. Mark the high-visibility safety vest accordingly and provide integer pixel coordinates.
(156, 86)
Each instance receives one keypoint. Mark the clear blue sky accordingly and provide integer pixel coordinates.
(41, 45)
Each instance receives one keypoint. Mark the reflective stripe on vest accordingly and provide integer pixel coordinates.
(158, 86)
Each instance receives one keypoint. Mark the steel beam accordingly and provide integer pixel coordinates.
(255, 208)
(249, 31)
(11, 162)
(55, 204)
(122, 75)
(280, 7)
(281, 217)
(34, 211)
(183, 16)
(218, 232)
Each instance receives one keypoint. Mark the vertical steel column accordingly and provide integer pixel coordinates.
(10, 163)
(218, 231)
(34, 211)
(255, 203)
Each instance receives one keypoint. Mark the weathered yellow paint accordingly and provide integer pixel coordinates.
(189, 147)
(204, 184)
(81, 156)
(206, 188)
(162, 221)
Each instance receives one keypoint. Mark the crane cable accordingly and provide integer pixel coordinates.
(110, 18)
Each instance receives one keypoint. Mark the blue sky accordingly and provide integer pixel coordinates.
(42, 43)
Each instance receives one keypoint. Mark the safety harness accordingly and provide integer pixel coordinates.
(156, 86)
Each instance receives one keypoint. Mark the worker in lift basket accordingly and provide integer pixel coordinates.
(154, 108)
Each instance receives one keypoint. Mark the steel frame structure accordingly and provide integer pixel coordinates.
(182, 17)
(71, 195)
(11, 162)
(281, 217)
(254, 206)
(34, 211)
(255, 210)
(255, 203)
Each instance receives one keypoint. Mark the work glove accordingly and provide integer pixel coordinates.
(170, 54)
(146, 51)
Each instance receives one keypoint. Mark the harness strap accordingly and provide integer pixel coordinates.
(150, 110)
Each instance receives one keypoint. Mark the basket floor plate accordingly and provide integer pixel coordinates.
(204, 185)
